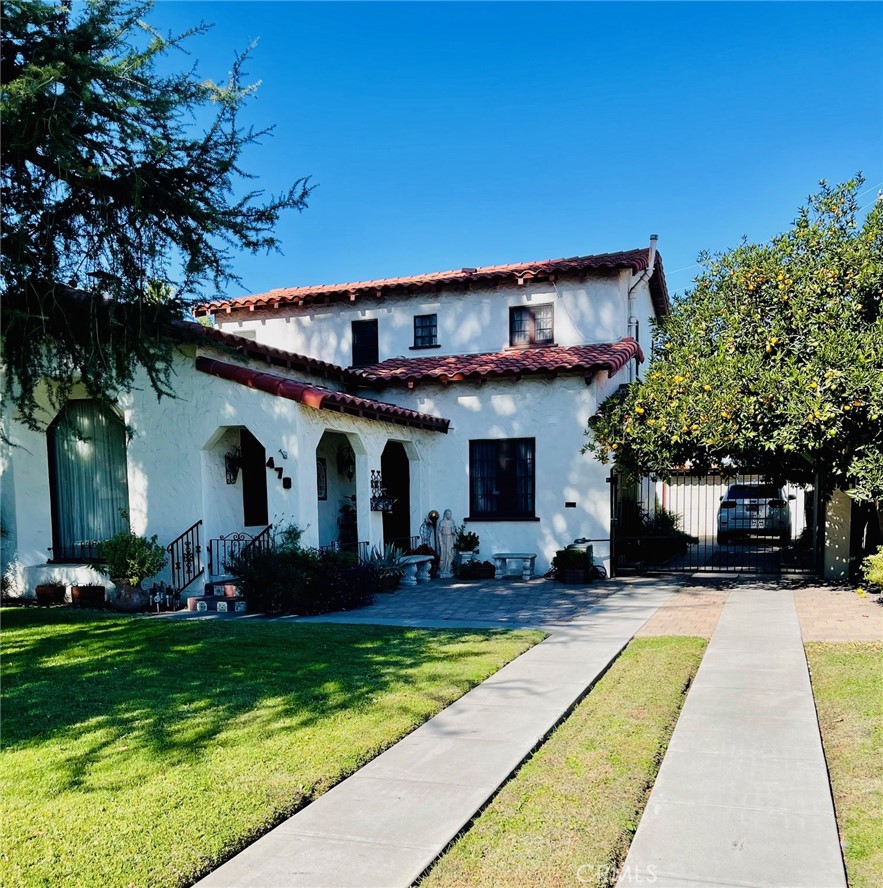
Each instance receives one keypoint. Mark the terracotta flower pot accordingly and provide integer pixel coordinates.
(87, 596)
(49, 593)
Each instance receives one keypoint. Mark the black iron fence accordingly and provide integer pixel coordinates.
(223, 549)
(716, 522)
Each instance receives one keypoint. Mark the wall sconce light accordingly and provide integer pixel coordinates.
(232, 464)
(381, 501)
(346, 461)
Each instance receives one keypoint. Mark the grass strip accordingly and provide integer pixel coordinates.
(142, 751)
(569, 814)
(847, 682)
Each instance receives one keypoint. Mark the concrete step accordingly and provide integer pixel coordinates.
(223, 604)
(224, 588)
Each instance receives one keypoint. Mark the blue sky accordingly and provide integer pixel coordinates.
(444, 135)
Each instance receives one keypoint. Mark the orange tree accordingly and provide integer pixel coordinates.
(772, 363)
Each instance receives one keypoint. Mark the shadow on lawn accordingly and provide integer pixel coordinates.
(171, 687)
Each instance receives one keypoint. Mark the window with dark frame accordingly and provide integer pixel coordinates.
(365, 349)
(531, 325)
(502, 478)
(425, 331)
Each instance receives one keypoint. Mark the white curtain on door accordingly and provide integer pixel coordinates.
(87, 444)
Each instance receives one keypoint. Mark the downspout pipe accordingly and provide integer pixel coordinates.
(646, 274)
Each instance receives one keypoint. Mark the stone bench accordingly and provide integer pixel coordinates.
(502, 563)
(415, 569)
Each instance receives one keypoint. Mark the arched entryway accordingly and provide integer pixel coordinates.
(396, 471)
(336, 488)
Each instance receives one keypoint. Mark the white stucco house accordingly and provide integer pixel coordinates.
(467, 390)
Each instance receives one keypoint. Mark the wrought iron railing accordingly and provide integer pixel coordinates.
(404, 543)
(359, 549)
(185, 558)
(222, 550)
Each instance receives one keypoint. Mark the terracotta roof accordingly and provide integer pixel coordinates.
(196, 333)
(551, 360)
(320, 398)
(634, 260)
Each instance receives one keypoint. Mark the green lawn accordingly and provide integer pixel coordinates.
(847, 682)
(142, 751)
(569, 814)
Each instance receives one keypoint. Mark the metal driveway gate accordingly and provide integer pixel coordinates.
(714, 522)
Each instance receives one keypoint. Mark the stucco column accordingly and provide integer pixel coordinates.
(838, 514)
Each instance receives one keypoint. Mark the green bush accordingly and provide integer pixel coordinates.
(466, 540)
(872, 568)
(131, 558)
(292, 580)
(572, 559)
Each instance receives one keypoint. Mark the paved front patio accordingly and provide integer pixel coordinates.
(487, 604)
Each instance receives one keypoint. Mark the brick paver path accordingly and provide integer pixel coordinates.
(693, 610)
(838, 613)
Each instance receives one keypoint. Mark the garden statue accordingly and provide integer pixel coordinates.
(427, 533)
(447, 530)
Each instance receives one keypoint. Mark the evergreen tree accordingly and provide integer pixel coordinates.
(119, 209)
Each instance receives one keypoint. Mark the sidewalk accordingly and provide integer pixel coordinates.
(387, 823)
(742, 797)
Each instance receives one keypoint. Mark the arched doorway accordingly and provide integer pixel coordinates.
(396, 472)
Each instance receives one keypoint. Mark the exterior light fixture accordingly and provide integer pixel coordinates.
(381, 501)
(232, 464)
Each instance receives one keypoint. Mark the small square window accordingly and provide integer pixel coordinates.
(425, 331)
(531, 325)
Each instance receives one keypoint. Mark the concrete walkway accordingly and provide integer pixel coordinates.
(742, 797)
(387, 823)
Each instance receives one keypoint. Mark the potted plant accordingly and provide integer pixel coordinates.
(87, 596)
(573, 565)
(388, 566)
(473, 569)
(130, 559)
(466, 541)
(50, 593)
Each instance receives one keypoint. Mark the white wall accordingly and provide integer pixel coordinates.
(470, 322)
(176, 469)
(554, 412)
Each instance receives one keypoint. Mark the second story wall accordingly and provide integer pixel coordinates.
(477, 320)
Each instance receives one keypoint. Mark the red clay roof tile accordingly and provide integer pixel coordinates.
(549, 360)
(635, 260)
(318, 397)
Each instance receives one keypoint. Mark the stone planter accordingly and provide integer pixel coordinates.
(573, 576)
(49, 593)
(87, 596)
(127, 598)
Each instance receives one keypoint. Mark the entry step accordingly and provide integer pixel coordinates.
(222, 604)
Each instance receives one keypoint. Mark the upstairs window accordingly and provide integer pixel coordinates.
(531, 325)
(364, 343)
(502, 478)
(425, 331)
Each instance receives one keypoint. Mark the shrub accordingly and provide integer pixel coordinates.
(466, 540)
(572, 559)
(131, 558)
(476, 570)
(293, 580)
(872, 568)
